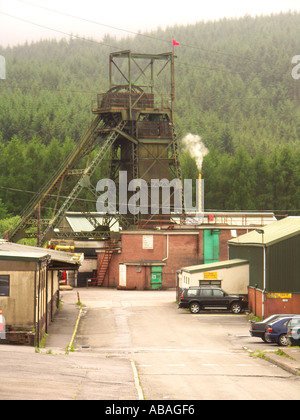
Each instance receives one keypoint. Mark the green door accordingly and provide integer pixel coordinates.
(211, 245)
(156, 277)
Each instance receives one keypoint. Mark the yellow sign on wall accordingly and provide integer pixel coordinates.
(279, 295)
(210, 275)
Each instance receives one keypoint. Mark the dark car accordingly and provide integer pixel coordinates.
(197, 298)
(258, 329)
(293, 331)
(276, 331)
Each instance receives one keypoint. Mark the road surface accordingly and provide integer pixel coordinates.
(134, 345)
(178, 355)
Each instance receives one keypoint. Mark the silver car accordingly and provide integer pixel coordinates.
(293, 331)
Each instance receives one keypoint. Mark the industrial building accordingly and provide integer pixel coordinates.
(134, 130)
(274, 266)
(150, 259)
(232, 276)
(29, 289)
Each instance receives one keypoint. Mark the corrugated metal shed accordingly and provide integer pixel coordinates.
(273, 255)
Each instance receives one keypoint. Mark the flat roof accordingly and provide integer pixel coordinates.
(12, 251)
(214, 266)
(22, 256)
(127, 53)
(270, 234)
(146, 263)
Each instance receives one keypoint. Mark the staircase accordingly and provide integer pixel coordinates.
(111, 247)
(54, 187)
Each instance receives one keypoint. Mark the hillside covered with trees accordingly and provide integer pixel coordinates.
(233, 88)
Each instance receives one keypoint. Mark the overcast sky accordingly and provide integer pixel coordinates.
(128, 15)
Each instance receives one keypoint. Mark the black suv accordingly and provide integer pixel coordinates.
(196, 298)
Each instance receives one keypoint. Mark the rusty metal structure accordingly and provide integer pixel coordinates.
(133, 129)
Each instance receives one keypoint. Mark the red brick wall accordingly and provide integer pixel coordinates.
(224, 237)
(138, 277)
(132, 248)
(271, 305)
(282, 306)
(255, 301)
(185, 249)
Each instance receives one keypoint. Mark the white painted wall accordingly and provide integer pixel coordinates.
(234, 280)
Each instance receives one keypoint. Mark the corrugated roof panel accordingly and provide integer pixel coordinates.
(268, 235)
(22, 256)
(214, 266)
(80, 224)
(11, 250)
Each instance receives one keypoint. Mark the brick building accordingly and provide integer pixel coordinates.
(149, 259)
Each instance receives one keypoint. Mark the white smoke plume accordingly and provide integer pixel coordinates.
(194, 145)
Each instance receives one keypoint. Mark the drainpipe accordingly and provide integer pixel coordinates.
(264, 281)
(177, 283)
(46, 320)
(165, 259)
(51, 314)
(34, 299)
(38, 309)
(262, 232)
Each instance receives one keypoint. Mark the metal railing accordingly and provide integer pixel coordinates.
(125, 100)
(181, 221)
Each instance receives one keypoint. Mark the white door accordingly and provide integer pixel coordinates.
(122, 275)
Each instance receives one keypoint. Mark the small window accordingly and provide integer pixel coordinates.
(4, 285)
(210, 283)
(193, 292)
(294, 322)
(218, 293)
(206, 292)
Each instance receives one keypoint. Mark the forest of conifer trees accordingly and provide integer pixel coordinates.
(233, 88)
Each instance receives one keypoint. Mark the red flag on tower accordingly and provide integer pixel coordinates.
(175, 42)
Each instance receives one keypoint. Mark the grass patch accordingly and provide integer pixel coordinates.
(253, 317)
(259, 354)
(280, 352)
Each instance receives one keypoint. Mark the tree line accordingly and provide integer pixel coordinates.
(233, 182)
(233, 88)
